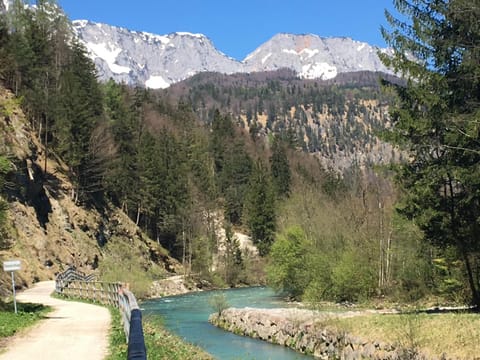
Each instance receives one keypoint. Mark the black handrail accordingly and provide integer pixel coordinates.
(136, 341)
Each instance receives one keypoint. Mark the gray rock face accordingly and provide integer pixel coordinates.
(155, 61)
(314, 57)
(158, 61)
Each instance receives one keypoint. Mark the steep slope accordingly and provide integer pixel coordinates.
(47, 231)
(157, 61)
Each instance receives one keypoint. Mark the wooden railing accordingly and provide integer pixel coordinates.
(72, 283)
(98, 291)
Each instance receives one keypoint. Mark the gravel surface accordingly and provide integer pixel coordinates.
(71, 331)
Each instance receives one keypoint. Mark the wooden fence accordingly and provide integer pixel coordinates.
(74, 284)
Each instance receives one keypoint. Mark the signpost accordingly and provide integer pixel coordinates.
(12, 266)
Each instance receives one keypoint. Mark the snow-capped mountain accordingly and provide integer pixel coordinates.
(157, 61)
(314, 57)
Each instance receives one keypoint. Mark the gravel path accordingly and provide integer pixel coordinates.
(72, 331)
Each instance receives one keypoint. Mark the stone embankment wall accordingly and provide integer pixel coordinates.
(305, 332)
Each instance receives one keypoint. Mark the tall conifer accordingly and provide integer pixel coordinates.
(437, 50)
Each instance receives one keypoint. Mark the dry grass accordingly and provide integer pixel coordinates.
(456, 335)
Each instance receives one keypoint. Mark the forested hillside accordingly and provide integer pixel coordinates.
(296, 165)
(339, 120)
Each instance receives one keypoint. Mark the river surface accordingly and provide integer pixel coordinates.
(187, 316)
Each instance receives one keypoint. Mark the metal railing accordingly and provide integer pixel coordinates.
(72, 283)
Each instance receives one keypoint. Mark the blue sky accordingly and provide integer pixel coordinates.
(238, 27)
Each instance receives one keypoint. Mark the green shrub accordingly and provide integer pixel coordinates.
(219, 303)
(289, 269)
(352, 278)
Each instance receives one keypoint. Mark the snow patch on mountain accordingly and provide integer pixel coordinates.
(151, 38)
(323, 71)
(289, 51)
(266, 58)
(361, 47)
(109, 54)
(156, 82)
(198, 36)
(310, 53)
(79, 23)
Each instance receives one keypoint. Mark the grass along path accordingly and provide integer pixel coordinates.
(11, 323)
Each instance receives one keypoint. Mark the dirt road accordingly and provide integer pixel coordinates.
(72, 331)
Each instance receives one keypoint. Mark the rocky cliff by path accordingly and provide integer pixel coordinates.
(46, 230)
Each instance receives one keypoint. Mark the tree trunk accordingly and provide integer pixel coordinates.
(138, 215)
(46, 145)
(184, 251)
(388, 266)
(471, 280)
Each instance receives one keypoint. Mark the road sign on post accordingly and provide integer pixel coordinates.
(12, 266)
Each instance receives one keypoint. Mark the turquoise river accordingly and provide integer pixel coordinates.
(187, 316)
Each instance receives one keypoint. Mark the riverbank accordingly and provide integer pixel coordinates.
(320, 334)
(173, 285)
(187, 317)
(160, 343)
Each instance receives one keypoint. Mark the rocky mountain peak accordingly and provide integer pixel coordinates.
(312, 56)
(157, 61)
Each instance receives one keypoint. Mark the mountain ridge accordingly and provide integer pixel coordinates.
(158, 61)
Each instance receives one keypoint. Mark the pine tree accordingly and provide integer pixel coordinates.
(260, 209)
(280, 169)
(19, 69)
(79, 112)
(234, 180)
(233, 261)
(221, 136)
(122, 179)
(437, 50)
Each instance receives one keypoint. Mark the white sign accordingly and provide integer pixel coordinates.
(12, 265)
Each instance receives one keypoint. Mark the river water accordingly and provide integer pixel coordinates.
(187, 316)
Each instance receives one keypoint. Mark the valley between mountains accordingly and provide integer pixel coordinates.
(333, 172)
